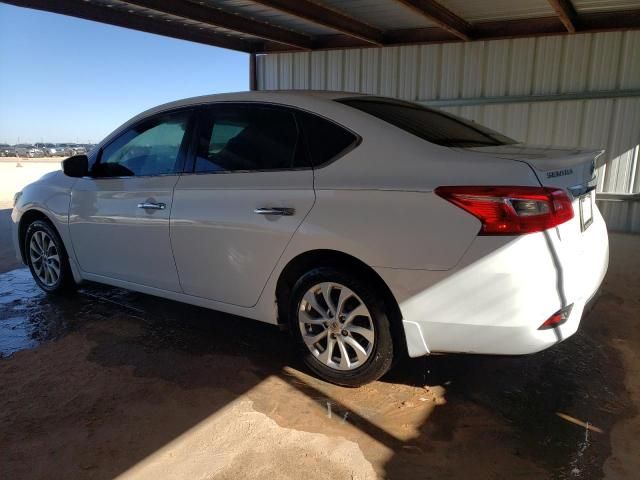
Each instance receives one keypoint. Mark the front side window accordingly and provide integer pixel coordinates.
(431, 125)
(246, 137)
(152, 147)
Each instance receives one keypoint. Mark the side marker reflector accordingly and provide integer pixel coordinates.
(557, 318)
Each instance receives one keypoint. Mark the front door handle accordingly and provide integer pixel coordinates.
(152, 206)
(285, 212)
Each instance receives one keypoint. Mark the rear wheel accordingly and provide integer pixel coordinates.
(341, 326)
(47, 258)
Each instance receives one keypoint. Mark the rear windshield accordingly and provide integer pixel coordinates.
(431, 125)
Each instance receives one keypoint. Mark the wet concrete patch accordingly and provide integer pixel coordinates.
(14, 336)
(27, 317)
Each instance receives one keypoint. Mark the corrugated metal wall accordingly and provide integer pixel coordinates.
(501, 68)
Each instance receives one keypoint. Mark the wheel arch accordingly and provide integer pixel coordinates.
(306, 261)
(27, 219)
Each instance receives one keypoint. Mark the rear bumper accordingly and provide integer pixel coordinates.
(502, 290)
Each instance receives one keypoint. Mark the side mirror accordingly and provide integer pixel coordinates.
(76, 166)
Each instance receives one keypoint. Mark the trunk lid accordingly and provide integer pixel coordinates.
(567, 168)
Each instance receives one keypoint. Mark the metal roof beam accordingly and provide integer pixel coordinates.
(220, 18)
(496, 29)
(567, 13)
(441, 16)
(553, 97)
(615, 20)
(88, 11)
(320, 15)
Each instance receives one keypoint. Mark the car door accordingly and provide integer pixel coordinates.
(119, 215)
(250, 188)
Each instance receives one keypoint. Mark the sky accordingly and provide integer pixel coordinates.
(64, 79)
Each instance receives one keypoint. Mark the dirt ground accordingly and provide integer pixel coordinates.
(110, 383)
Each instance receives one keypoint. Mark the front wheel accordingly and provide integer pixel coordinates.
(341, 326)
(47, 258)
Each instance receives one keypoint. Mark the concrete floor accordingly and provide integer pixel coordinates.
(109, 383)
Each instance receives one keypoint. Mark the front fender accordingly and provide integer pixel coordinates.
(48, 198)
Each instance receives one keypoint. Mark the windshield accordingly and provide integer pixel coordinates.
(432, 125)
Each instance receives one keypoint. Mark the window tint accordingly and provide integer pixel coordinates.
(247, 138)
(325, 139)
(150, 148)
(431, 125)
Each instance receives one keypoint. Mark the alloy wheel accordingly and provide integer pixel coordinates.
(45, 258)
(336, 326)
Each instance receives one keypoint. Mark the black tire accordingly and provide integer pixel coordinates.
(64, 282)
(381, 357)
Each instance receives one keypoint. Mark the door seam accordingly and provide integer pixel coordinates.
(313, 189)
(173, 255)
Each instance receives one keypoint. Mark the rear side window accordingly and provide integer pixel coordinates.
(432, 125)
(245, 137)
(326, 140)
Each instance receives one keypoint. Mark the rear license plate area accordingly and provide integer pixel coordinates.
(586, 211)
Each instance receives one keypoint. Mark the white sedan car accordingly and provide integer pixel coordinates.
(371, 227)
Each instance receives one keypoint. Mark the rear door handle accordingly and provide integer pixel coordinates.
(285, 212)
(152, 206)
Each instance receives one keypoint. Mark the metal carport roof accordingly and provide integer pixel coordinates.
(263, 26)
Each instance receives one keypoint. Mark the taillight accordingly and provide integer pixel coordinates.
(511, 210)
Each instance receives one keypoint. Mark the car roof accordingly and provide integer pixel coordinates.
(269, 95)
(305, 99)
(286, 97)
